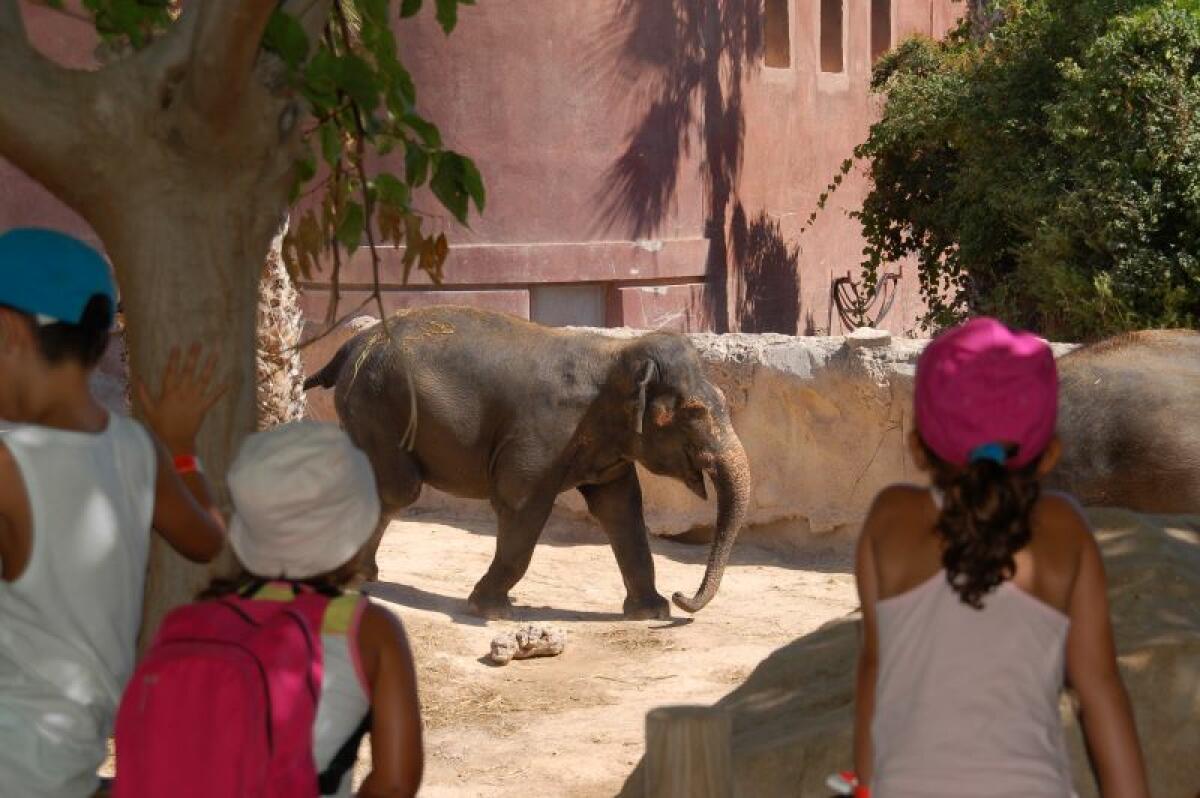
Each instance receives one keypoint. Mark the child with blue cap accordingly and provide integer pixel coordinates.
(80, 489)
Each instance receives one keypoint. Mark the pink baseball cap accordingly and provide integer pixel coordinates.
(980, 387)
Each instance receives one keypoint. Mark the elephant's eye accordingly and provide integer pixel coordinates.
(693, 408)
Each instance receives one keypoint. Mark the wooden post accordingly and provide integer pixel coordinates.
(688, 753)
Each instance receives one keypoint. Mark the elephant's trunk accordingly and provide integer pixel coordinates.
(731, 477)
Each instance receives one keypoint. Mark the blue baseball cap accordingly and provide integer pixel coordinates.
(51, 275)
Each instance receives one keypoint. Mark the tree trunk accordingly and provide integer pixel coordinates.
(181, 157)
(216, 275)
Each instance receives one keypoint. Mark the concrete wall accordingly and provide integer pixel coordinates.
(641, 151)
(646, 149)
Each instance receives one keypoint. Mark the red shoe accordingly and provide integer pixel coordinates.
(846, 783)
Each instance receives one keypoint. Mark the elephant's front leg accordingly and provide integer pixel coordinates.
(617, 505)
(517, 534)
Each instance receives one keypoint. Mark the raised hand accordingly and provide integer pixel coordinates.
(187, 395)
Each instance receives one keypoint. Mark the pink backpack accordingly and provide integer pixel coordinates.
(224, 702)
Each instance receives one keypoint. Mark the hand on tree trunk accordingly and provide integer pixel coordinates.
(185, 398)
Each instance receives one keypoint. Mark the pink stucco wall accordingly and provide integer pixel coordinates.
(638, 149)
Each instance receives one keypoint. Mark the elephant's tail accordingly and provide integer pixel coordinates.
(327, 377)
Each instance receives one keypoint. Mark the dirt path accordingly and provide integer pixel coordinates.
(572, 725)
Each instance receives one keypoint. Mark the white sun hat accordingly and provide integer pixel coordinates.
(304, 500)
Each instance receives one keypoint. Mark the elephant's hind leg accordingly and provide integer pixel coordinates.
(617, 505)
(398, 479)
(517, 534)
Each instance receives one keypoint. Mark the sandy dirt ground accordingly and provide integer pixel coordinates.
(573, 725)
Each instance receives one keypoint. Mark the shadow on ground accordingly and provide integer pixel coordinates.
(455, 607)
(756, 546)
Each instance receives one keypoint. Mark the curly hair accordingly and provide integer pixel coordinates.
(984, 521)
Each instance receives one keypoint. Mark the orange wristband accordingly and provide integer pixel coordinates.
(187, 464)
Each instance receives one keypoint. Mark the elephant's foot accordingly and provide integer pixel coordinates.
(650, 608)
(369, 571)
(490, 607)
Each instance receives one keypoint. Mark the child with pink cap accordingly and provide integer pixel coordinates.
(981, 593)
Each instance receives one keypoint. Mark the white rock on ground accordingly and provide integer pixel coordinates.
(528, 642)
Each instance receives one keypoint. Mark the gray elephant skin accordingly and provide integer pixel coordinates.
(1129, 419)
(488, 406)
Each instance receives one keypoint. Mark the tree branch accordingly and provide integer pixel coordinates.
(225, 46)
(44, 112)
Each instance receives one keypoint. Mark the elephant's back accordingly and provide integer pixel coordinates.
(473, 378)
(486, 348)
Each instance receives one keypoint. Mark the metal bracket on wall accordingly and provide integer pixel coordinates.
(855, 303)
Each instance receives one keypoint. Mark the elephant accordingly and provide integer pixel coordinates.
(489, 406)
(1129, 419)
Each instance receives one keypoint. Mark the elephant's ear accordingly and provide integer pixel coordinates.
(649, 373)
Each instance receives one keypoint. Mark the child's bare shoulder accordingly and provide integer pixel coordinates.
(380, 628)
(1059, 521)
(899, 497)
(896, 503)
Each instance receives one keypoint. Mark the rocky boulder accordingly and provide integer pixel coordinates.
(793, 716)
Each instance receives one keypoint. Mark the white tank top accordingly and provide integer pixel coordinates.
(68, 625)
(345, 694)
(966, 701)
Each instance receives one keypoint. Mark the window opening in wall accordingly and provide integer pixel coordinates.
(568, 305)
(831, 35)
(881, 27)
(778, 34)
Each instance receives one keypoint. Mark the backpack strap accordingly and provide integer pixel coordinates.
(251, 588)
(330, 779)
(301, 602)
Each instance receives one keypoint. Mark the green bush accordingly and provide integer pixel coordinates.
(1047, 172)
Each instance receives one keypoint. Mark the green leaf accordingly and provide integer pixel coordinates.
(350, 228)
(321, 76)
(331, 142)
(447, 14)
(285, 37)
(306, 168)
(356, 77)
(404, 82)
(374, 11)
(425, 129)
(385, 144)
(448, 185)
(473, 182)
(416, 166)
(402, 93)
(409, 8)
(391, 191)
